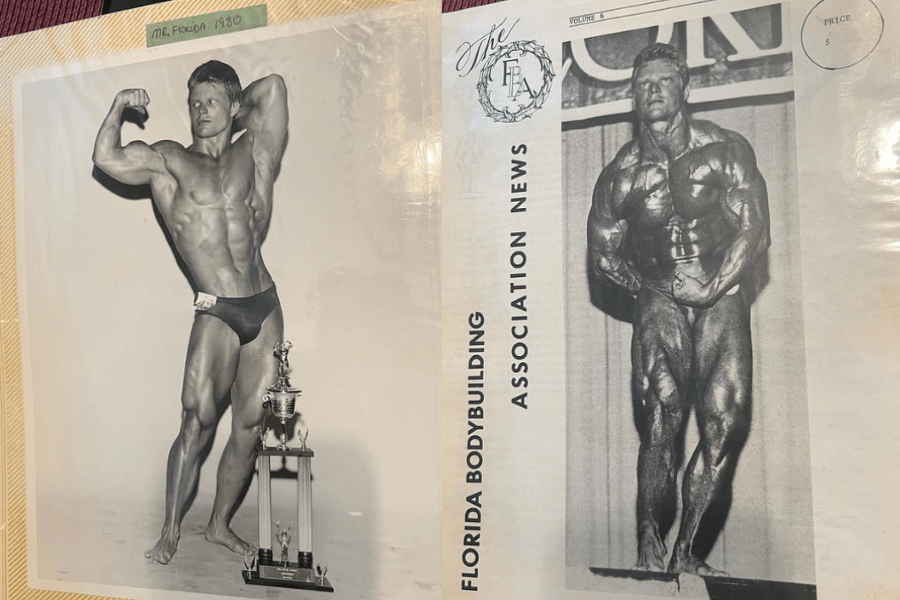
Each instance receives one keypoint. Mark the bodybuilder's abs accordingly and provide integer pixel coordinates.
(676, 210)
(217, 218)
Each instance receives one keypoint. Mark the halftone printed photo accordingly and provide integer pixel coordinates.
(684, 319)
(669, 257)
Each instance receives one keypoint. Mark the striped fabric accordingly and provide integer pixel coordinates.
(19, 16)
(452, 5)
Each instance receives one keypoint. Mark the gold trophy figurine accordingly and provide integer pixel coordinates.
(281, 400)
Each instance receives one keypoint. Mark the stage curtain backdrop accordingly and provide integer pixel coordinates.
(768, 533)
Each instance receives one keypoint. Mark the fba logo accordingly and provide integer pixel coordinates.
(516, 77)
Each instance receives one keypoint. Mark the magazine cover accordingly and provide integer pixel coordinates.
(221, 327)
(668, 268)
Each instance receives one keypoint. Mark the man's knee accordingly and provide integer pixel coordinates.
(731, 422)
(248, 417)
(198, 396)
(726, 422)
(664, 412)
(657, 387)
(728, 399)
(196, 426)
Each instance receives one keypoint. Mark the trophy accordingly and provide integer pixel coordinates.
(262, 568)
(284, 538)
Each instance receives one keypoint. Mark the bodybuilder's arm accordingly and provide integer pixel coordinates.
(264, 113)
(135, 163)
(606, 235)
(747, 207)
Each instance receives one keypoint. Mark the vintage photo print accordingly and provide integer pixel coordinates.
(153, 235)
(687, 421)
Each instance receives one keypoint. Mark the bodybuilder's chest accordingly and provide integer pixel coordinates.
(204, 183)
(219, 185)
(660, 194)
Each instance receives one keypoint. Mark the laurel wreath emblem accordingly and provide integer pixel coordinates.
(525, 110)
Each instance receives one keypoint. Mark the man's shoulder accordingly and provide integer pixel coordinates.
(627, 156)
(172, 154)
(707, 132)
(165, 147)
(614, 180)
(724, 146)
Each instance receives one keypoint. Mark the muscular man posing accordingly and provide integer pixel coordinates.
(689, 198)
(215, 197)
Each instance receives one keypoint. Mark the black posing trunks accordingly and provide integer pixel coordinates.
(245, 315)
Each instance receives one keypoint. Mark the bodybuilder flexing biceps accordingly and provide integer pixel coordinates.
(215, 198)
(689, 198)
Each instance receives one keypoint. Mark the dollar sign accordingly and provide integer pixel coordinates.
(827, 41)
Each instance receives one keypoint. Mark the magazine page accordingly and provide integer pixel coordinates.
(221, 310)
(670, 291)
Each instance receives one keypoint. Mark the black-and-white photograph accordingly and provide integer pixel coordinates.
(687, 422)
(230, 289)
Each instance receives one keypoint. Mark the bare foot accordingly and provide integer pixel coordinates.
(693, 565)
(651, 552)
(163, 551)
(226, 537)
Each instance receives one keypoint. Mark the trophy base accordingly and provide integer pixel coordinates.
(290, 576)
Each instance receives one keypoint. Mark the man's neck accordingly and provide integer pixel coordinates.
(213, 146)
(670, 137)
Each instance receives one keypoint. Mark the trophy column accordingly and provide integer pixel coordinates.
(304, 512)
(265, 508)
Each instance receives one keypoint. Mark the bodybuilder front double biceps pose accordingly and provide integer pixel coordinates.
(689, 199)
(215, 198)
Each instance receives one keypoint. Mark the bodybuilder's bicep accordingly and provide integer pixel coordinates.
(605, 231)
(134, 164)
(740, 165)
(748, 191)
